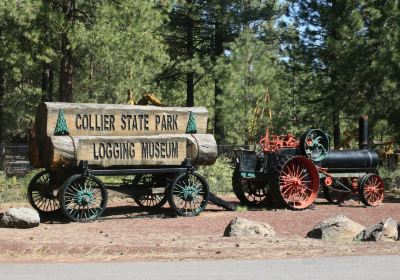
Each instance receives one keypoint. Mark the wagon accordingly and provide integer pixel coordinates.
(158, 148)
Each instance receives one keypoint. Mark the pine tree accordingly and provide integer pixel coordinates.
(331, 36)
(248, 74)
(61, 125)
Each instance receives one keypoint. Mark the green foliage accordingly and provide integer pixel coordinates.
(219, 175)
(248, 74)
(323, 63)
(13, 189)
(390, 177)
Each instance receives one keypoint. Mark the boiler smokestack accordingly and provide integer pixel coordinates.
(363, 133)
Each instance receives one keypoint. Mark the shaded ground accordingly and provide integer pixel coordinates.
(125, 233)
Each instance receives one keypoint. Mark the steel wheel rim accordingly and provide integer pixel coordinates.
(40, 194)
(189, 194)
(84, 199)
(298, 183)
(373, 190)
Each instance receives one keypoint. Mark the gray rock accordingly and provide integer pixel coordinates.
(20, 218)
(337, 228)
(243, 227)
(386, 230)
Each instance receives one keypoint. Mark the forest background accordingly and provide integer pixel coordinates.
(311, 63)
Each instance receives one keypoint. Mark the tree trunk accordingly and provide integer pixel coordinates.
(67, 66)
(190, 53)
(2, 97)
(218, 51)
(47, 83)
(173, 149)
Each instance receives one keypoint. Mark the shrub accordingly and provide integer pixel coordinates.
(390, 177)
(13, 189)
(218, 175)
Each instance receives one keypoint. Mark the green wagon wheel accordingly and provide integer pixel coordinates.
(148, 201)
(189, 194)
(40, 194)
(83, 198)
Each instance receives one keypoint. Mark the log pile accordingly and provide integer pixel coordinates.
(107, 135)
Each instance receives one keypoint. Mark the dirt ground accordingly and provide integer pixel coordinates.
(125, 233)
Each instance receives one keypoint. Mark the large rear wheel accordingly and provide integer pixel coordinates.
(296, 183)
(250, 192)
(41, 194)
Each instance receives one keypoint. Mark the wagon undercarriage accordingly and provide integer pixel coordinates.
(82, 196)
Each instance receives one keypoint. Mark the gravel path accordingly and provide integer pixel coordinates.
(124, 234)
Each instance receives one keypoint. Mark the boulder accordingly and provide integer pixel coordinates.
(337, 228)
(386, 230)
(243, 227)
(20, 218)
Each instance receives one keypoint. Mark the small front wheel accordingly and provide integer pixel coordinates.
(371, 190)
(189, 194)
(83, 198)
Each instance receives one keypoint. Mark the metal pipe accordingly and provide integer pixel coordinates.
(363, 133)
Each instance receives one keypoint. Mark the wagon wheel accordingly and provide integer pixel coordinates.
(371, 190)
(189, 194)
(148, 201)
(251, 193)
(296, 183)
(335, 196)
(83, 198)
(40, 194)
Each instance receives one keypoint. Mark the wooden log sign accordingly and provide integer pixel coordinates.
(170, 149)
(78, 119)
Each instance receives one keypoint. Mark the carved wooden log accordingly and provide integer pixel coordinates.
(158, 150)
(87, 119)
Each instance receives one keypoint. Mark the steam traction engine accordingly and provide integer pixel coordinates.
(289, 172)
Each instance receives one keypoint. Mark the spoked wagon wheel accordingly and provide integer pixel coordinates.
(189, 194)
(148, 201)
(40, 194)
(251, 193)
(83, 198)
(296, 183)
(371, 190)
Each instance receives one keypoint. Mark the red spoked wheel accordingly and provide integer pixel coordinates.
(297, 183)
(371, 190)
